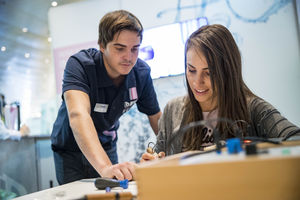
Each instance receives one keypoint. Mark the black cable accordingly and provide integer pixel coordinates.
(261, 139)
(240, 133)
(202, 152)
(256, 139)
(154, 148)
(207, 123)
(180, 131)
(249, 130)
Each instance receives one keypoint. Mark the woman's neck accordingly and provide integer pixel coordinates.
(208, 107)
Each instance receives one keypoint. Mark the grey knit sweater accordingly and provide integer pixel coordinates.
(266, 121)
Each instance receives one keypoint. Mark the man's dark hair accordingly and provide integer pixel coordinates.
(114, 22)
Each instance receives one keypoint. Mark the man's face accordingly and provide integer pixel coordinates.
(120, 55)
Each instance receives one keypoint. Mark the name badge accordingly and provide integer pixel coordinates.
(102, 108)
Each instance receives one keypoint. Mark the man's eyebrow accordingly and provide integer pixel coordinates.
(118, 44)
(122, 45)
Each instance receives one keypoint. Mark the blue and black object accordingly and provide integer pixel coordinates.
(102, 183)
(234, 145)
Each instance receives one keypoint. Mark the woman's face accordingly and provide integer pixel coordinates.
(197, 74)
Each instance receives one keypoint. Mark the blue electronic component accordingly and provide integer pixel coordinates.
(234, 146)
(107, 189)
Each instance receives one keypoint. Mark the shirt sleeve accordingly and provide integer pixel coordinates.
(267, 121)
(147, 102)
(75, 77)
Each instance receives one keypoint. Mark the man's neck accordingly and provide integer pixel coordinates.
(118, 81)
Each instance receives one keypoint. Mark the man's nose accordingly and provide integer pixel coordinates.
(128, 55)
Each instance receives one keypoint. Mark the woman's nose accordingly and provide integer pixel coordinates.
(199, 79)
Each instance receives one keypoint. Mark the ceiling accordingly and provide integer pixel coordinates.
(26, 69)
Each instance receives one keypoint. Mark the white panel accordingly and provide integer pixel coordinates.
(78, 22)
(148, 12)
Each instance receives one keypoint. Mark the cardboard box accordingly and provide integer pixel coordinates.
(254, 177)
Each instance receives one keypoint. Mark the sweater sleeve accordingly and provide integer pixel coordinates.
(168, 140)
(162, 135)
(267, 121)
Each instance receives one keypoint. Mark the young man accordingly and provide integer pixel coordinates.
(98, 87)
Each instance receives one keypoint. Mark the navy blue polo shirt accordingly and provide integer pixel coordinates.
(85, 71)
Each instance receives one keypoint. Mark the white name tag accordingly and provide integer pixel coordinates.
(102, 108)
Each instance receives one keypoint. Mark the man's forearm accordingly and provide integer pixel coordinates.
(87, 139)
(153, 119)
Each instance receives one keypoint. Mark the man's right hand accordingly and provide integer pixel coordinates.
(121, 171)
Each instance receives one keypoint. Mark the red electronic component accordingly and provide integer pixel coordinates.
(247, 141)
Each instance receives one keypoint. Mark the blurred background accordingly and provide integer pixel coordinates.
(26, 69)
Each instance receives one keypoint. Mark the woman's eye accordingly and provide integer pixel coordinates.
(192, 70)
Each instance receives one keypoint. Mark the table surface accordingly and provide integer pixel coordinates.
(75, 190)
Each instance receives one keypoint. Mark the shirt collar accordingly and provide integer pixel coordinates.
(103, 79)
(129, 81)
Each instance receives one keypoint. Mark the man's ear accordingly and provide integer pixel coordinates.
(101, 48)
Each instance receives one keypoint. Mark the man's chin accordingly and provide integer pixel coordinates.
(125, 72)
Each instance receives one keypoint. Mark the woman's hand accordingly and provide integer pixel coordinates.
(154, 156)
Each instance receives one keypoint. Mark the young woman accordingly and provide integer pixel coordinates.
(217, 94)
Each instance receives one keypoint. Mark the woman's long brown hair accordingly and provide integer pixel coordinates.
(216, 43)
